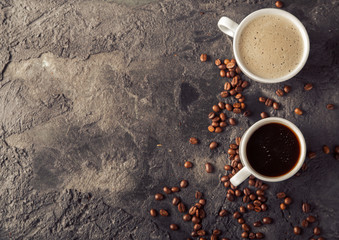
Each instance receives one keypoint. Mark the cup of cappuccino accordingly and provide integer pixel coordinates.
(269, 45)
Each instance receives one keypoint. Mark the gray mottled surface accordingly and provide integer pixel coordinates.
(90, 88)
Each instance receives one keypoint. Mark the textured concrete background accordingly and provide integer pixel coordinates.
(90, 88)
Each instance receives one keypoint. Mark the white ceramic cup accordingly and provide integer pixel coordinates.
(234, 30)
(247, 169)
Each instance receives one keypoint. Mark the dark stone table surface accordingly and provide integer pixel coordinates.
(99, 99)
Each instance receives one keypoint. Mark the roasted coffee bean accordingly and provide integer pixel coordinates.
(238, 96)
(308, 86)
(247, 191)
(263, 115)
(257, 224)
(269, 102)
(251, 182)
(238, 70)
(245, 199)
(281, 195)
(224, 94)
(181, 207)
(237, 110)
(245, 227)
(194, 234)
(247, 113)
(223, 213)
(198, 195)
(218, 130)
(222, 66)
(215, 124)
(297, 230)
(242, 106)
(250, 206)
(279, 4)
(237, 193)
(231, 151)
(244, 84)
(167, 190)
(262, 198)
(158, 196)
(163, 212)
(316, 231)
(224, 178)
(336, 149)
(263, 207)
(193, 140)
(183, 183)
(222, 124)
(234, 164)
(216, 119)
(257, 209)
(202, 201)
(222, 116)
(153, 212)
(188, 164)
(217, 62)
(192, 210)
(202, 213)
(208, 167)
(238, 89)
(311, 219)
(211, 115)
(226, 61)
(259, 235)
(230, 197)
(196, 220)
(256, 203)
(230, 65)
(236, 105)
(201, 232)
(321, 238)
(326, 149)
(262, 99)
(330, 106)
(228, 74)
(233, 146)
(258, 183)
(244, 235)
(216, 108)
(276, 105)
(306, 207)
(228, 107)
(187, 217)
(235, 81)
(251, 235)
(260, 192)
(304, 223)
(227, 167)
(287, 89)
(213, 145)
(236, 215)
(242, 99)
(197, 227)
(203, 57)
(253, 197)
(175, 189)
(264, 187)
(174, 227)
(222, 73)
(282, 206)
(311, 155)
(233, 92)
(298, 111)
(216, 232)
(232, 121)
(236, 157)
(211, 128)
(267, 220)
(280, 92)
(288, 200)
(227, 86)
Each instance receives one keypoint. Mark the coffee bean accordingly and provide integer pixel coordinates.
(228, 75)
(158, 196)
(257, 224)
(237, 110)
(267, 220)
(336, 149)
(236, 215)
(237, 140)
(224, 179)
(163, 212)
(269, 102)
(245, 227)
(231, 151)
(223, 213)
(258, 183)
(227, 167)
(192, 210)
(279, 4)
(216, 119)
(260, 192)
(228, 107)
(198, 195)
(230, 65)
(194, 234)
(238, 89)
(196, 220)
(311, 219)
(326, 149)
(297, 230)
(233, 92)
(222, 124)
(311, 155)
(175, 201)
(213, 145)
(264, 187)
(215, 124)
(262, 198)
(330, 106)
(222, 116)
(193, 140)
(211, 128)
(217, 62)
(226, 61)
(262, 99)
(282, 206)
(208, 167)
(222, 73)
(247, 113)
(281, 195)
(235, 81)
(211, 115)
(245, 199)
(238, 96)
(202, 201)
(216, 232)
(238, 70)
(174, 227)
(244, 84)
(244, 235)
(304, 223)
(259, 235)
(280, 92)
(287, 89)
(167, 190)
(216, 108)
(237, 193)
(251, 235)
(321, 238)
(197, 227)
(298, 111)
(183, 183)
(236, 105)
(251, 182)
(188, 164)
(232, 73)
(288, 200)
(316, 231)
(263, 115)
(232, 121)
(201, 232)
(247, 191)
(276, 105)
(153, 212)
(242, 99)
(227, 86)
(203, 57)
(242, 106)
(242, 209)
(224, 94)
(256, 203)
(218, 130)
(230, 197)
(175, 189)
(308, 86)
(306, 207)
(250, 206)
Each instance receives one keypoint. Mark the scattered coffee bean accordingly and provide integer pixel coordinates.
(197, 227)
(321, 238)
(228, 74)
(175, 189)
(153, 212)
(231, 151)
(256, 203)
(279, 4)
(216, 108)
(304, 223)
(187, 217)
(217, 62)
(238, 70)
(287, 89)
(211, 115)
(297, 230)
(237, 140)
(330, 106)
(163, 212)
(181, 207)
(237, 193)
(281, 195)
(222, 66)
(316, 231)
(198, 195)
(194, 140)
(280, 92)
(222, 116)
(259, 235)
(174, 227)
(326, 149)
(216, 232)
(245, 227)
(208, 167)
(306, 207)
(232, 121)
(250, 206)
(241, 220)
(192, 210)
(264, 207)
(218, 130)
(158, 196)
(227, 167)
(308, 86)
(194, 234)
(247, 113)
(263, 115)
(201, 232)
(236, 215)
(222, 73)
(267, 220)
(216, 119)
(311, 155)
(233, 92)
(188, 164)
(288, 200)
(203, 57)
(213, 145)
(276, 105)
(202, 201)
(251, 235)
(211, 128)
(237, 110)
(167, 190)
(260, 192)
(262, 99)
(224, 94)
(223, 213)
(298, 111)
(175, 201)
(196, 220)
(183, 183)
(244, 235)
(223, 124)
(230, 65)
(311, 219)
(282, 206)
(257, 224)
(269, 102)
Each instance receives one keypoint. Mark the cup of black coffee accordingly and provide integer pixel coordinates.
(273, 149)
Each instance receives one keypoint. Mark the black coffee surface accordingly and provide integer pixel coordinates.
(273, 150)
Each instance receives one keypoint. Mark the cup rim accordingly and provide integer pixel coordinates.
(296, 22)
(257, 125)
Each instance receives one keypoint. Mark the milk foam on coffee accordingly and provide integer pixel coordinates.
(270, 46)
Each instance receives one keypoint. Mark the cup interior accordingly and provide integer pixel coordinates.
(271, 11)
(245, 138)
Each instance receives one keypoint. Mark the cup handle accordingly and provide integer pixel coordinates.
(240, 176)
(227, 26)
